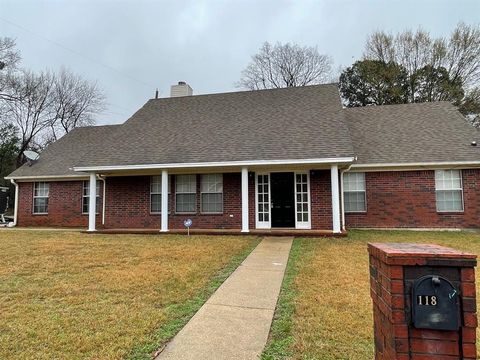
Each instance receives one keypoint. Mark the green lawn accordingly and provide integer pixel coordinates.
(325, 311)
(67, 295)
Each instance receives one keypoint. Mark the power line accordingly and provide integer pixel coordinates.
(78, 53)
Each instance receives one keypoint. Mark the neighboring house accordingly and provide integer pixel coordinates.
(262, 159)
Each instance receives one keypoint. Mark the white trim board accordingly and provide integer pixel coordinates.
(353, 167)
(414, 166)
(339, 160)
(47, 178)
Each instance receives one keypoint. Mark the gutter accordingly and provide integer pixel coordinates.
(414, 165)
(339, 160)
(15, 209)
(47, 178)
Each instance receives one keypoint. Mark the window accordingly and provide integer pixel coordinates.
(211, 193)
(40, 197)
(185, 193)
(156, 194)
(448, 190)
(86, 197)
(354, 192)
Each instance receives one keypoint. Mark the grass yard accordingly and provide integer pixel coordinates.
(325, 311)
(67, 295)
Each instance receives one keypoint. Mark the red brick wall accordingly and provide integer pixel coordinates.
(128, 205)
(64, 206)
(391, 280)
(407, 199)
(394, 199)
(321, 199)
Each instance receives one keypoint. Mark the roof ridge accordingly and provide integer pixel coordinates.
(290, 88)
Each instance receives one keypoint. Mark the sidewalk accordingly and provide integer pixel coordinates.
(234, 323)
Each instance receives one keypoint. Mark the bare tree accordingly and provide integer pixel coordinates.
(9, 59)
(459, 54)
(462, 59)
(43, 106)
(285, 65)
(75, 103)
(438, 68)
(31, 111)
(380, 46)
(49, 105)
(9, 55)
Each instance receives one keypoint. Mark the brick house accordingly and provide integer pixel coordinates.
(290, 159)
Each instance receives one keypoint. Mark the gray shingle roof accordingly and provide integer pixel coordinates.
(294, 123)
(59, 158)
(300, 123)
(411, 133)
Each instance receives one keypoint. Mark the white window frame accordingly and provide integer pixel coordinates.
(202, 177)
(40, 197)
(86, 195)
(194, 177)
(346, 174)
(158, 193)
(263, 224)
(155, 193)
(303, 224)
(460, 189)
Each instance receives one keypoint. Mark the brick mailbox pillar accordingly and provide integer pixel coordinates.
(424, 303)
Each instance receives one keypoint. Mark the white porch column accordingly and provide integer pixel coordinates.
(245, 200)
(335, 199)
(164, 215)
(92, 202)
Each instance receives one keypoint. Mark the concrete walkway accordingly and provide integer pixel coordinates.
(234, 323)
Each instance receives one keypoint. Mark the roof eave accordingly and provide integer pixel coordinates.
(319, 161)
(47, 177)
(414, 165)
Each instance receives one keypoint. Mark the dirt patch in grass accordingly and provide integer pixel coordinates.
(78, 296)
(329, 307)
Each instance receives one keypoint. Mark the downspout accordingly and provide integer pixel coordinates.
(102, 178)
(342, 197)
(15, 210)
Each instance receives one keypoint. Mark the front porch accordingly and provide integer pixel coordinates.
(280, 199)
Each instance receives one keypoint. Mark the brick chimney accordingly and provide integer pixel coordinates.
(181, 89)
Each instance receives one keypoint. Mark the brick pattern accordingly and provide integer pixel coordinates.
(407, 199)
(128, 205)
(391, 270)
(394, 199)
(64, 205)
(321, 199)
(469, 306)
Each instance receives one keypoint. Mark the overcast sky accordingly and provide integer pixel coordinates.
(132, 47)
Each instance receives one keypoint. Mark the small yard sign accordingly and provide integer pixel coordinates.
(188, 223)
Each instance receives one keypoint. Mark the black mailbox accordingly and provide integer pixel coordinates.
(435, 304)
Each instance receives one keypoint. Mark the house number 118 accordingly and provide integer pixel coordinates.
(427, 300)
